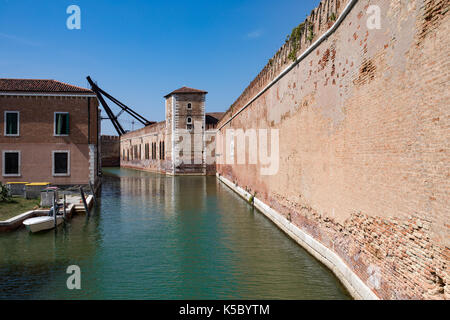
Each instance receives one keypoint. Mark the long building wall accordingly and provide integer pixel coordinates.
(363, 123)
(133, 153)
(130, 150)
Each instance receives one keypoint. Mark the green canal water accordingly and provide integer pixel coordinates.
(158, 237)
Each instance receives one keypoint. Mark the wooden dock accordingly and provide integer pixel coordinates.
(74, 206)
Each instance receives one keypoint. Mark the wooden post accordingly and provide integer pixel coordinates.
(93, 193)
(84, 201)
(54, 208)
(64, 206)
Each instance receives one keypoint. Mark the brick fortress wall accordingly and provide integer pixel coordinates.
(368, 172)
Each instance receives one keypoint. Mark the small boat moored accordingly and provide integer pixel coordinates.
(47, 222)
(42, 223)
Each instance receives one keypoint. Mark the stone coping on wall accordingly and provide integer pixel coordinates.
(356, 287)
(316, 28)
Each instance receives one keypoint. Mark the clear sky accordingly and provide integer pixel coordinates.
(138, 51)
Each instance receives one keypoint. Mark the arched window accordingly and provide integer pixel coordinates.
(189, 105)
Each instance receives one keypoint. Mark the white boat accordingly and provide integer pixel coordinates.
(42, 223)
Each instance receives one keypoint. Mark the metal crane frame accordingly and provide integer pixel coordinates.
(124, 108)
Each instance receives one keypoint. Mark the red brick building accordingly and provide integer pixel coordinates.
(49, 132)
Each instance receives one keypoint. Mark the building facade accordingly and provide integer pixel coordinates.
(49, 132)
(181, 144)
(110, 146)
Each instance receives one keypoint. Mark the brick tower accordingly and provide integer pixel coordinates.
(185, 131)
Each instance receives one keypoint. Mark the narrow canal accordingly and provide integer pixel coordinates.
(158, 237)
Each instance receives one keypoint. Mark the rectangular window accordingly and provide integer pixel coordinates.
(61, 123)
(11, 163)
(61, 163)
(154, 150)
(11, 123)
(147, 151)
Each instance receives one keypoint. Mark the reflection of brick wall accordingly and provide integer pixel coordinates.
(364, 144)
(110, 150)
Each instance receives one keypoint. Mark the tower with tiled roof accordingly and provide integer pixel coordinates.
(185, 130)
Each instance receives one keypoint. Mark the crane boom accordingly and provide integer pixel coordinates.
(114, 119)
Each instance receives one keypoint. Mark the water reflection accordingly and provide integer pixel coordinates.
(162, 237)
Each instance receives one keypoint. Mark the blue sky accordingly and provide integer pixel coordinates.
(138, 51)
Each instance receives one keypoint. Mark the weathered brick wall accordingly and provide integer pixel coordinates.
(364, 123)
(110, 149)
(184, 160)
(155, 133)
(210, 151)
(37, 140)
(37, 118)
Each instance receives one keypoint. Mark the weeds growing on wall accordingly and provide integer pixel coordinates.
(294, 38)
(332, 17)
(310, 36)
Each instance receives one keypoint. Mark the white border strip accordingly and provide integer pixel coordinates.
(313, 46)
(356, 287)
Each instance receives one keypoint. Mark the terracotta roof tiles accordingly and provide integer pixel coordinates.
(185, 90)
(39, 85)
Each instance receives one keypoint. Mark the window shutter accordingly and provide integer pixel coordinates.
(67, 124)
(58, 124)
